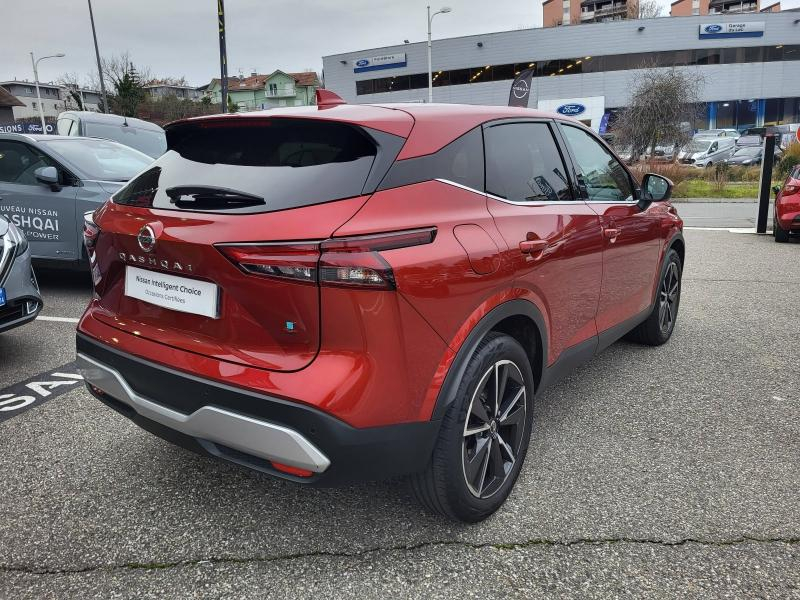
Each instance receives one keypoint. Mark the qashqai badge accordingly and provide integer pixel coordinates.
(146, 238)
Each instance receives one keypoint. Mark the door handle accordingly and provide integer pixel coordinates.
(611, 232)
(532, 246)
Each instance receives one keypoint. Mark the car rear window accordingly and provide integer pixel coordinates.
(255, 165)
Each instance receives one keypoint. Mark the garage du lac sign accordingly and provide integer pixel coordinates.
(731, 30)
(376, 63)
(571, 110)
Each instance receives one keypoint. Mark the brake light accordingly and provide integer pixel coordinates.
(90, 232)
(790, 188)
(296, 471)
(356, 262)
(339, 262)
(294, 261)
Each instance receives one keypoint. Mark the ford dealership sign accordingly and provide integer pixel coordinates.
(376, 63)
(571, 110)
(731, 30)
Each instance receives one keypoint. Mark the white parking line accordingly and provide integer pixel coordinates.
(57, 319)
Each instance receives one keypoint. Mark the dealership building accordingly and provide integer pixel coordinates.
(749, 65)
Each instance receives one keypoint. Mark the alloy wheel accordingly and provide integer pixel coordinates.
(668, 298)
(494, 428)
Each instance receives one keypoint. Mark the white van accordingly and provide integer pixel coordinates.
(706, 152)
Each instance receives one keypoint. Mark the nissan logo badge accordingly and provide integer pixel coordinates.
(146, 238)
(521, 89)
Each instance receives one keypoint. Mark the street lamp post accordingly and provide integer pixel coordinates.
(99, 63)
(35, 63)
(444, 9)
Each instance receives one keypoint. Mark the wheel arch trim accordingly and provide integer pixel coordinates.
(511, 308)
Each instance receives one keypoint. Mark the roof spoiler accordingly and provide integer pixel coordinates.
(327, 99)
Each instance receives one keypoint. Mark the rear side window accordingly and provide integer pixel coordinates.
(523, 163)
(255, 166)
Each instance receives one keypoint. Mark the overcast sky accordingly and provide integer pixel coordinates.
(179, 37)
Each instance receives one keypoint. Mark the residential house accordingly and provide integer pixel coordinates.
(52, 100)
(7, 104)
(259, 92)
(162, 90)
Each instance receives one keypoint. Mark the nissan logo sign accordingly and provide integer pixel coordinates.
(571, 110)
(520, 89)
(146, 238)
(362, 62)
(713, 28)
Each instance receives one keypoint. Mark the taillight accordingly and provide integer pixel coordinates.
(355, 262)
(340, 262)
(295, 261)
(90, 232)
(790, 188)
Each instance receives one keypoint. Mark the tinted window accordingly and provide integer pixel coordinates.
(605, 179)
(523, 163)
(99, 159)
(461, 161)
(286, 162)
(152, 143)
(19, 161)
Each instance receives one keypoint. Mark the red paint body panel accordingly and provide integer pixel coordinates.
(374, 357)
(566, 274)
(787, 206)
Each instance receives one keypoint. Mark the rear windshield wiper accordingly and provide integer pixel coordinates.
(206, 197)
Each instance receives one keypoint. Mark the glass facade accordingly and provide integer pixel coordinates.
(582, 64)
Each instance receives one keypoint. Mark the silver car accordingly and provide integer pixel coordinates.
(48, 182)
(20, 300)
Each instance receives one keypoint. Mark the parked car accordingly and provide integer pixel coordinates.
(786, 216)
(20, 300)
(746, 155)
(705, 152)
(48, 182)
(717, 133)
(140, 135)
(351, 292)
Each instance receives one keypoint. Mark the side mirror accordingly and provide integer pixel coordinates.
(776, 189)
(656, 188)
(48, 176)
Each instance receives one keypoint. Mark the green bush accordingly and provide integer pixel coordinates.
(788, 161)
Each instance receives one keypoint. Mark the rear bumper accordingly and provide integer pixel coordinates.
(253, 430)
(789, 220)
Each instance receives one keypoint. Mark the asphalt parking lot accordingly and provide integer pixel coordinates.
(666, 472)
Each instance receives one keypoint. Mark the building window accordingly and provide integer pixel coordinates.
(33, 104)
(582, 64)
(273, 89)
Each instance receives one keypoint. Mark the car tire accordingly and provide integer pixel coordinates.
(660, 324)
(781, 235)
(482, 444)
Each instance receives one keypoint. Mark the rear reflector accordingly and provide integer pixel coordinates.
(297, 471)
(339, 262)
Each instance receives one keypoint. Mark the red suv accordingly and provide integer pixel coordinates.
(786, 217)
(342, 292)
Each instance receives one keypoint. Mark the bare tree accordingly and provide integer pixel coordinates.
(72, 98)
(644, 9)
(664, 104)
(127, 82)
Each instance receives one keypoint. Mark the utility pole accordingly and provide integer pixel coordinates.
(99, 65)
(223, 56)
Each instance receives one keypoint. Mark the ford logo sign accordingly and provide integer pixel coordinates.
(362, 62)
(713, 28)
(571, 110)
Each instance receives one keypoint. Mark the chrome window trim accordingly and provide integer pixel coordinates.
(536, 203)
